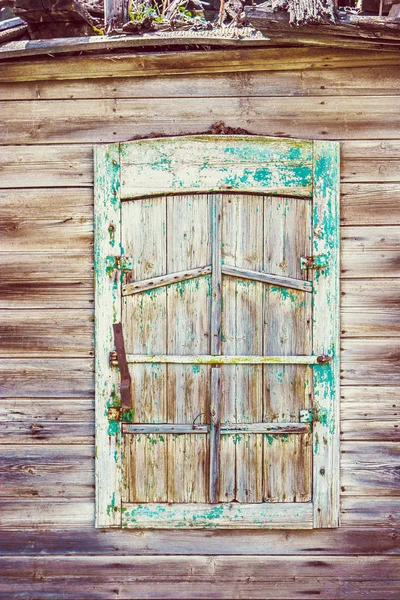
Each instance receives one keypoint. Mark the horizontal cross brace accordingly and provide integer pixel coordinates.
(162, 280)
(208, 359)
(156, 282)
(278, 280)
(232, 428)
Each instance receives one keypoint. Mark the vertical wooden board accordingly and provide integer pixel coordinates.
(243, 301)
(287, 468)
(188, 325)
(326, 334)
(108, 310)
(287, 331)
(145, 468)
(144, 314)
(188, 468)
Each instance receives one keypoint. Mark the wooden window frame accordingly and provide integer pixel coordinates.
(261, 164)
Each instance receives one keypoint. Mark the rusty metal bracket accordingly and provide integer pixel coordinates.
(125, 386)
(320, 261)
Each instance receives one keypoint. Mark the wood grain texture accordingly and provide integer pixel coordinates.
(326, 334)
(71, 164)
(363, 512)
(54, 166)
(222, 61)
(108, 311)
(370, 203)
(47, 471)
(86, 540)
(241, 164)
(46, 333)
(375, 81)
(223, 516)
(108, 121)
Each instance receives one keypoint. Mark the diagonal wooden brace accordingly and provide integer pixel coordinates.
(125, 387)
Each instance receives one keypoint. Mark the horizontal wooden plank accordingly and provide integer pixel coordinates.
(370, 403)
(55, 166)
(47, 378)
(44, 432)
(373, 361)
(327, 588)
(376, 149)
(89, 541)
(370, 308)
(198, 568)
(54, 513)
(370, 203)
(46, 332)
(47, 203)
(47, 471)
(355, 170)
(375, 81)
(370, 468)
(386, 431)
(70, 410)
(200, 62)
(221, 36)
(370, 251)
(101, 121)
(19, 234)
(46, 280)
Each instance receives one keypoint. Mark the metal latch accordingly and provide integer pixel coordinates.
(119, 263)
(320, 261)
(314, 415)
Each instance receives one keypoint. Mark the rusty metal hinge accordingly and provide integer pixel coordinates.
(125, 385)
(320, 261)
(119, 263)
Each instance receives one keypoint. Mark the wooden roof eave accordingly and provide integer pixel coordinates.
(221, 37)
(348, 31)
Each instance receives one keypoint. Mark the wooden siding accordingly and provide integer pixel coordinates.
(49, 547)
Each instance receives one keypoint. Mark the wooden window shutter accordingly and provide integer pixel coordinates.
(217, 333)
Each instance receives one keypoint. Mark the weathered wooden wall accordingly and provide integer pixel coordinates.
(48, 545)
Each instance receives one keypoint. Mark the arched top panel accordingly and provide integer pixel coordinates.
(207, 163)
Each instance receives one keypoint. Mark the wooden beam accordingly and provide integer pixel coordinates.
(176, 428)
(209, 359)
(295, 515)
(278, 280)
(152, 64)
(156, 282)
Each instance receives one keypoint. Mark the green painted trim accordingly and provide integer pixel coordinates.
(205, 164)
(218, 516)
(326, 333)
